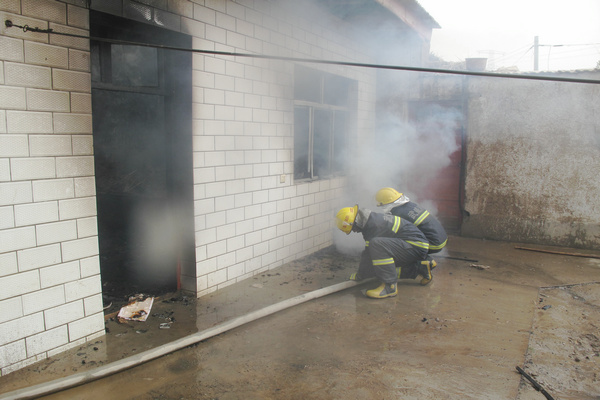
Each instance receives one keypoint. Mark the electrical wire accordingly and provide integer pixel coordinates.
(523, 55)
(27, 28)
(570, 45)
(558, 55)
(508, 59)
(521, 52)
(514, 53)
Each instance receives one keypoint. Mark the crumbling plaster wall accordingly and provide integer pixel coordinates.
(533, 156)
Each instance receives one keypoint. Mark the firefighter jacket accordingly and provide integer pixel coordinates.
(372, 224)
(427, 223)
(390, 242)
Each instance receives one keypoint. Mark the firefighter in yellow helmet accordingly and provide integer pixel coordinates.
(391, 201)
(389, 241)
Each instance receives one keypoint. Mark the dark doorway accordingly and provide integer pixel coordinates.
(142, 99)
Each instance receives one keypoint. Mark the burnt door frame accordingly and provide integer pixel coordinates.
(173, 94)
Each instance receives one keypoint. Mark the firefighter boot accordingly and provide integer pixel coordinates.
(382, 291)
(433, 264)
(425, 272)
(355, 277)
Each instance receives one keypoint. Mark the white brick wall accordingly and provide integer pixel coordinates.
(80, 328)
(18, 328)
(63, 314)
(50, 292)
(247, 218)
(12, 353)
(46, 340)
(10, 309)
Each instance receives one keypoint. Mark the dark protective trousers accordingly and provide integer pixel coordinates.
(384, 254)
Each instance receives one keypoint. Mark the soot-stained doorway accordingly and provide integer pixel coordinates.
(141, 101)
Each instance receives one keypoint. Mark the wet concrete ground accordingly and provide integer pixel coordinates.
(460, 337)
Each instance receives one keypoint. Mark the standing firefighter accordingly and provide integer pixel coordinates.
(389, 241)
(391, 201)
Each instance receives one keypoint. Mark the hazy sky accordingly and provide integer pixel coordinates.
(504, 31)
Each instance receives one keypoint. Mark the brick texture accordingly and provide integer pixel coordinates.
(50, 292)
(250, 215)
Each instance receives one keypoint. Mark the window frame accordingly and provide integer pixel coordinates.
(333, 167)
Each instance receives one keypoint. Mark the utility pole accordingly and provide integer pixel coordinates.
(536, 52)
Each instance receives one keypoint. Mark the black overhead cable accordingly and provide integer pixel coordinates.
(27, 28)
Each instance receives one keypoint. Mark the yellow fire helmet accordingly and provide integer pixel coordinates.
(345, 218)
(386, 196)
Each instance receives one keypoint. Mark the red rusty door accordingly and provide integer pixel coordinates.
(439, 126)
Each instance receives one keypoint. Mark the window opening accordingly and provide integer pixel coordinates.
(322, 103)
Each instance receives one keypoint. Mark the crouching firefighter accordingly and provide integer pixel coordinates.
(391, 201)
(390, 241)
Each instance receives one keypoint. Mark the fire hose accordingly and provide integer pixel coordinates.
(81, 378)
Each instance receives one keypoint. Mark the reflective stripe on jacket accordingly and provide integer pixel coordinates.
(392, 226)
(427, 223)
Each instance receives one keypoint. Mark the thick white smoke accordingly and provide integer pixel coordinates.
(411, 142)
(407, 156)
